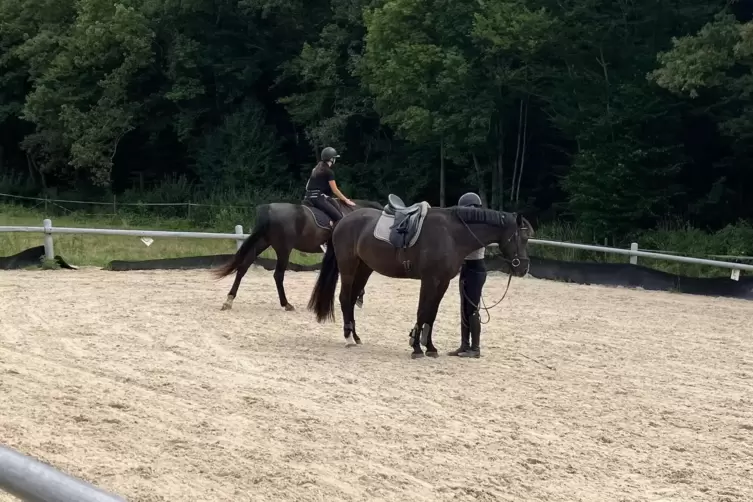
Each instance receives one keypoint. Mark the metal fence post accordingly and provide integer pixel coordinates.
(49, 249)
(634, 258)
(239, 231)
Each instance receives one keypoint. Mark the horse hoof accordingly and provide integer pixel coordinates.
(358, 341)
(289, 307)
(417, 355)
(433, 354)
(227, 306)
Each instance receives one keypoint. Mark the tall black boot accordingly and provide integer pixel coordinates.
(475, 328)
(464, 342)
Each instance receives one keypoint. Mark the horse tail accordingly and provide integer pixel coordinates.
(249, 245)
(322, 301)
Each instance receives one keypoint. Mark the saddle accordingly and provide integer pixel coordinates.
(400, 225)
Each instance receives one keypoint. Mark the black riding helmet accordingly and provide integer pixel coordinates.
(329, 153)
(469, 199)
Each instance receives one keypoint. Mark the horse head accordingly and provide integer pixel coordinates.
(514, 243)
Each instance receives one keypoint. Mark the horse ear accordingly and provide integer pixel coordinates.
(524, 225)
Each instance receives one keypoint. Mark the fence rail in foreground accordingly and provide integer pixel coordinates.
(48, 230)
(34, 481)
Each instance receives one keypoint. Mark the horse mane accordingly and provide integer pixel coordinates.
(479, 215)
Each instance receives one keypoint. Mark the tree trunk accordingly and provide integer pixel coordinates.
(499, 184)
(517, 153)
(480, 181)
(607, 91)
(522, 155)
(495, 184)
(441, 174)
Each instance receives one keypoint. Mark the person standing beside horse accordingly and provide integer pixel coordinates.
(321, 186)
(472, 280)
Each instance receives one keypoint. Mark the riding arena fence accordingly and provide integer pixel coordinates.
(634, 252)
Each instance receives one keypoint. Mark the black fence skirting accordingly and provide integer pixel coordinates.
(604, 274)
(29, 258)
(197, 262)
(637, 276)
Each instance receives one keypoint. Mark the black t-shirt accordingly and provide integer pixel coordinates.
(319, 180)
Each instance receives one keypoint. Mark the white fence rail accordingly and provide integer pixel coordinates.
(48, 230)
(33, 481)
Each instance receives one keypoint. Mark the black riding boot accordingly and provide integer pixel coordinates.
(464, 342)
(475, 328)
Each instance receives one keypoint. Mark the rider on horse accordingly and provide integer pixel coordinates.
(472, 279)
(321, 186)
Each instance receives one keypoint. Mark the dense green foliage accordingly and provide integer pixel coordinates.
(618, 115)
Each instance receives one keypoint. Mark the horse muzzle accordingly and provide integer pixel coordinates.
(520, 267)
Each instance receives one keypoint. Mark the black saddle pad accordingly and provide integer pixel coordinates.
(320, 217)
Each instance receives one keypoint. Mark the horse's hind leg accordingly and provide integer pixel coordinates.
(283, 259)
(259, 247)
(432, 292)
(353, 277)
(361, 277)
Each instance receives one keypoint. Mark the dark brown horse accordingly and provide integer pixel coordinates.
(417, 242)
(284, 227)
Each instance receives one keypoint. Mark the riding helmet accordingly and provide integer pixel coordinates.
(469, 199)
(329, 153)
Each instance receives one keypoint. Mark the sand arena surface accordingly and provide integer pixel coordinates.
(138, 382)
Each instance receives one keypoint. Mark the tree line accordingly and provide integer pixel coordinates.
(616, 114)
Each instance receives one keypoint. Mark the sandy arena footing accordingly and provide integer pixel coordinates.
(138, 383)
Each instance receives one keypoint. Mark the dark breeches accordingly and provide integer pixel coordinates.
(328, 206)
(472, 280)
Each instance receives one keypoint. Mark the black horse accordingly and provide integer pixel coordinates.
(415, 242)
(283, 226)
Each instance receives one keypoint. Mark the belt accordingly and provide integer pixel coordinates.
(312, 194)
